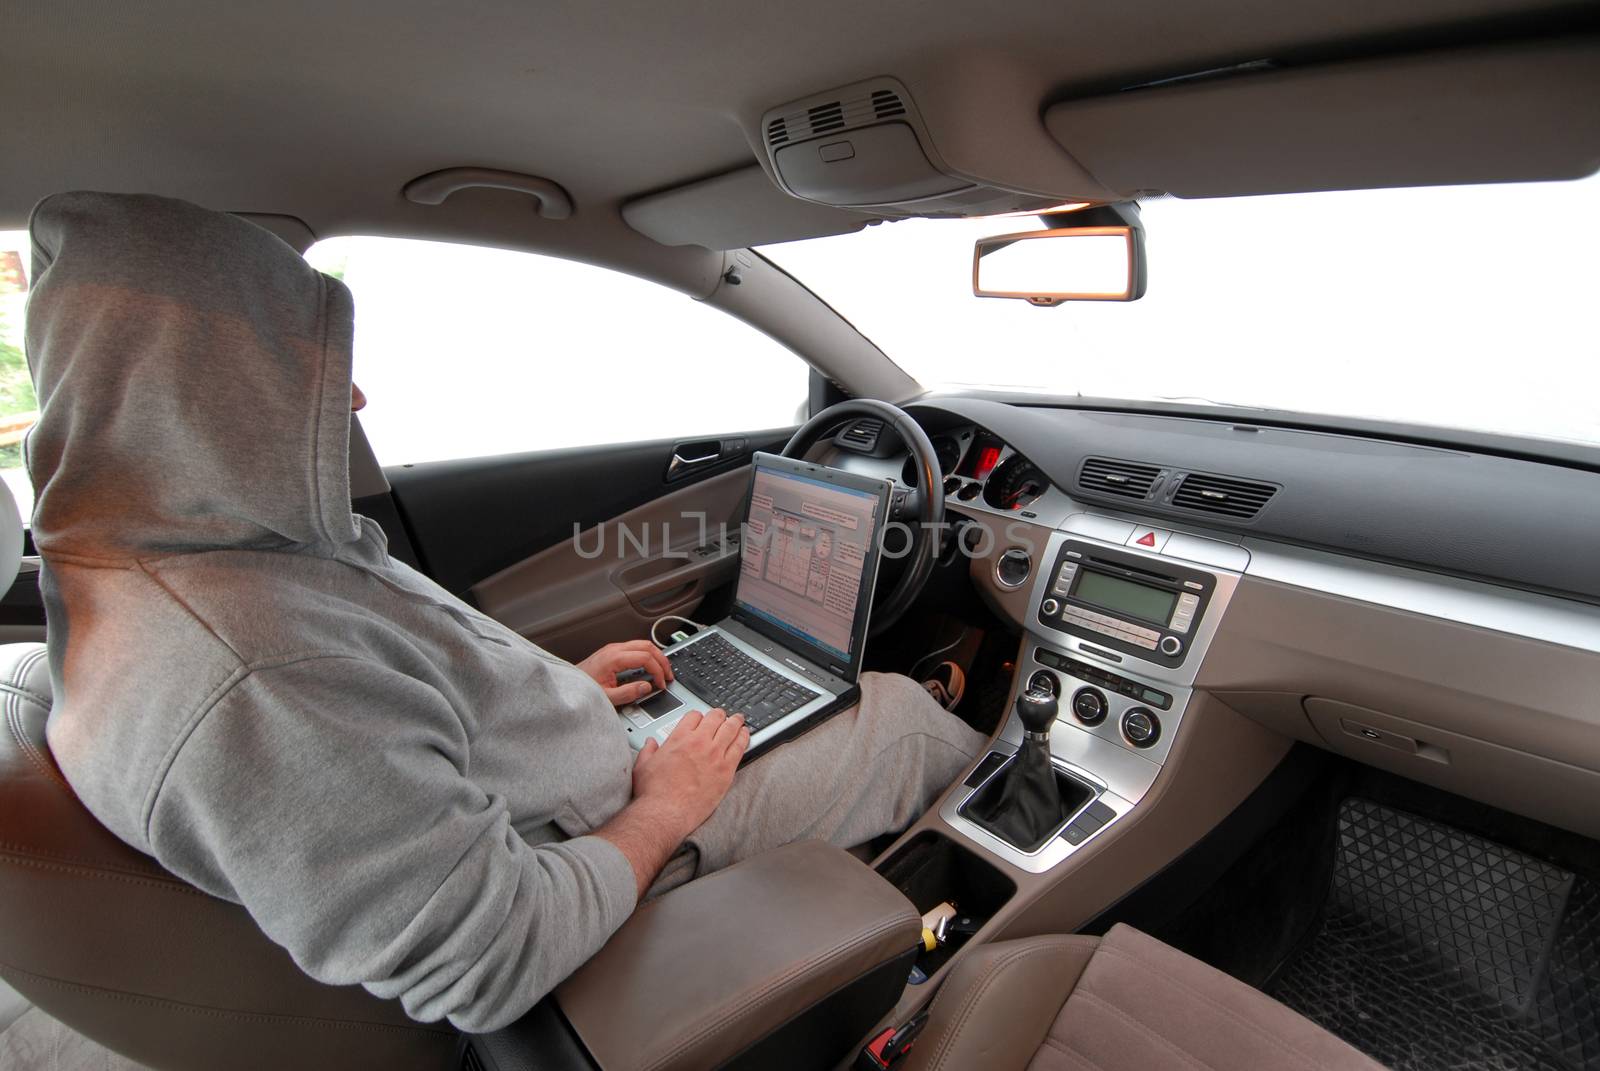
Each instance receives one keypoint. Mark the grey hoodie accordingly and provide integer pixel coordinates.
(247, 686)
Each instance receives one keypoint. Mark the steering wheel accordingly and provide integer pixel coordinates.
(919, 510)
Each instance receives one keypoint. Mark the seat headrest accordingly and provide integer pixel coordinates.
(10, 538)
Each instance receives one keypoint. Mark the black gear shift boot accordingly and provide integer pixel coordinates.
(1027, 800)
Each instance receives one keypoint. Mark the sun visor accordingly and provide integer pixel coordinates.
(734, 210)
(1505, 113)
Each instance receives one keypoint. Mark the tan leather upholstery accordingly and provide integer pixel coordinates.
(998, 1004)
(105, 940)
(1125, 1002)
(702, 974)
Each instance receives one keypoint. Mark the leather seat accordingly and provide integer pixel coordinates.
(102, 938)
(1124, 1002)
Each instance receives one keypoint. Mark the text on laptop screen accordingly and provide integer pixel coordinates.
(806, 545)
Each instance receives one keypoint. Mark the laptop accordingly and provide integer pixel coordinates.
(790, 652)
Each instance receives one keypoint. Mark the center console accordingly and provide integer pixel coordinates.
(1118, 619)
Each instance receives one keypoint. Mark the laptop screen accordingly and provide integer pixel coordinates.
(810, 556)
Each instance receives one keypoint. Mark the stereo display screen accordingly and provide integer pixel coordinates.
(1114, 593)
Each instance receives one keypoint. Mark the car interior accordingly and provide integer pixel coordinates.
(1293, 732)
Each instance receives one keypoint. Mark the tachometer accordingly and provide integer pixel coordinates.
(945, 448)
(1014, 484)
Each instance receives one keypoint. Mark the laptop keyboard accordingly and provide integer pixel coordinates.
(726, 677)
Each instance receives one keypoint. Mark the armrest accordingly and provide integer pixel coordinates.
(803, 946)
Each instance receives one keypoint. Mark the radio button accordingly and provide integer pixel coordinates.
(1049, 607)
(1188, 602)
(1171, 646)
(1062, 586)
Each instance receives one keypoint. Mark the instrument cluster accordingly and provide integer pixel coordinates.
(978, 466)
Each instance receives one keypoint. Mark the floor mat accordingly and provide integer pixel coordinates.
(1439, 950)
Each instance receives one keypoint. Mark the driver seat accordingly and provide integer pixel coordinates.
(102, 938)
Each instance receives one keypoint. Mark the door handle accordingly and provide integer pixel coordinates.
(690, 457)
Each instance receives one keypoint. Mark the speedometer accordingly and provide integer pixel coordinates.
(1014, 484)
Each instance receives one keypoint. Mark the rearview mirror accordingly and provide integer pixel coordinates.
(1090, 263)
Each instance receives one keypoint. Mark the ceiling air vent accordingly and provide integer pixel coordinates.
(826, 118)
(862, 435)
(1109, 476)
(1222, 495)
(886, 104)
(848, 111)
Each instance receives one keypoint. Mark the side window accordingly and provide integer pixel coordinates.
(464, 351)
(18, 406)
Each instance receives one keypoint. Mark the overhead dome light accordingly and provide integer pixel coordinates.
(1068, 206)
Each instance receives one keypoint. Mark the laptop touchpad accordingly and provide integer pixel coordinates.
(660, 704)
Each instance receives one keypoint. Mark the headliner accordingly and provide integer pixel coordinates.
(324, 111)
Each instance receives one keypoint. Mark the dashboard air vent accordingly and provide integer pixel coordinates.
(1110, 476)
(1222, 495)
(862, 435)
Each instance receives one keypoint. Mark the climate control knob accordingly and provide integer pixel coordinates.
(1141, 726)
(1043, 681)
(1089, 705)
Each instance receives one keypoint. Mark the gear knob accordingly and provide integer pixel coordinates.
(1037, 709)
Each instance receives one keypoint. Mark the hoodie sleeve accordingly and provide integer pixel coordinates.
(330, 798)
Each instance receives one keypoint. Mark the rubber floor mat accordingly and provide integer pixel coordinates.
(1441, 951)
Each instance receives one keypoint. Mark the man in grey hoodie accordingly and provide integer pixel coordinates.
(401, 791)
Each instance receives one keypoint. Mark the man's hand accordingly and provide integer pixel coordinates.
(604, 665)
(693, 770)
(676, 786)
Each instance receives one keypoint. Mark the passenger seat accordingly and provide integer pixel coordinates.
(1123, 1002)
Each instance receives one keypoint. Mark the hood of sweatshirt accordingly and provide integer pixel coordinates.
(193, 374)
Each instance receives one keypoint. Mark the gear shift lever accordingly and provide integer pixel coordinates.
(1027, 807)
(1037, 710)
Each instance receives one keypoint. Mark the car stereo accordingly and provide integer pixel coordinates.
(1144, 606)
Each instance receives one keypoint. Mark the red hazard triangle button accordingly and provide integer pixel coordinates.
(1149, 538)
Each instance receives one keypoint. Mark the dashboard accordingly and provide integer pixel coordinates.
(1424, 609)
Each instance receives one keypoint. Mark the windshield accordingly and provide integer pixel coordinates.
(1468, 306)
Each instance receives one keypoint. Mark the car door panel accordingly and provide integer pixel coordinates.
(612, 580)
(470, 519)
(22, 607)
(566, 546)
